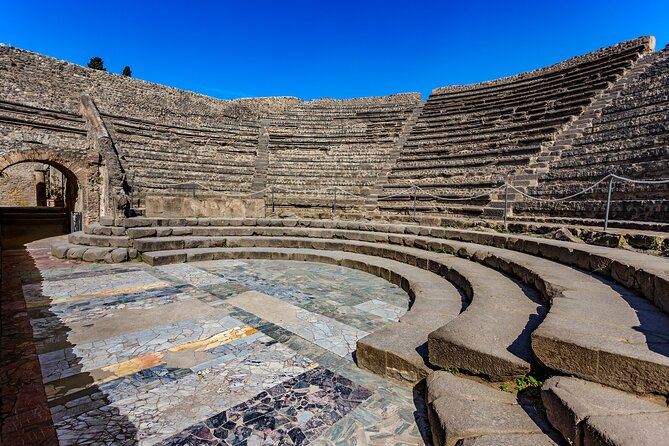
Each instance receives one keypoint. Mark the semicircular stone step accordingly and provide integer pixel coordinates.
(462, 411)
(587, 413)
(494, 340)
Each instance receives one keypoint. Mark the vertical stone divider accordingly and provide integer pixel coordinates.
(551, 151)
(262, 158)
(113, 184)
(382, 178)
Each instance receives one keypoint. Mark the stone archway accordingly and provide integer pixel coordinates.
(83, 191)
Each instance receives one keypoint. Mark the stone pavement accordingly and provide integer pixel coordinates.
(220, 352)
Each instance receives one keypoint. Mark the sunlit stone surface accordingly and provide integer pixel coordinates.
(221, 352)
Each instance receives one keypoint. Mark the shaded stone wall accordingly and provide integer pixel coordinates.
(17, 185)
(57, 138)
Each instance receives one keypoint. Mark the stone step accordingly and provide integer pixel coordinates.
(81, 238)
(66, 250)
(98, 229)
(476, 344)
(595, 340)
(465, 412)
(648, 275)
(587, 413)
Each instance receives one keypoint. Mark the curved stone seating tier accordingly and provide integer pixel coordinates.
(493, 118)
(318, 145)
(563, 95)
(648, 275)
(433, 120)
(474, 344)
(586, 413)
(588, 349)
(642, 210)
(460, 159)
(472, 208)
(490, 132)
(628, 137)
(465, 412)
(620, 191)
(609, 155)
(589, 342)
(221, 158)
(398, 351)
(574, 69)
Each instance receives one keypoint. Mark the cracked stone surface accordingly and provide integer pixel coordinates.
(218, 352)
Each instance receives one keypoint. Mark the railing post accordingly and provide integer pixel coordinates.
(506, 202)
(415, 192)
(272, 200)
(334, 201)
(193, 189)
(608, 205)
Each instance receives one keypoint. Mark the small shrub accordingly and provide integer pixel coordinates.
(655, 244)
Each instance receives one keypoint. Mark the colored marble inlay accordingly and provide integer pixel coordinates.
(221, 352)
(290, 413)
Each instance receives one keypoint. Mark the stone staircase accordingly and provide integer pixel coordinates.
(551, 151)
(470, 139)
(622, 134)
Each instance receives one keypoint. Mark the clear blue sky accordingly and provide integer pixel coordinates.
(313, 49)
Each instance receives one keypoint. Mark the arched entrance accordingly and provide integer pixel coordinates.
(43, 196)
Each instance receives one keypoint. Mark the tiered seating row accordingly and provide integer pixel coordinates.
(628, 138)
(493, 130)
(316, 146)
(489, 334)
(219, 158)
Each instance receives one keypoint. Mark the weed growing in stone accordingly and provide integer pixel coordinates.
(505, 388)
(528, 385)
(452, 370)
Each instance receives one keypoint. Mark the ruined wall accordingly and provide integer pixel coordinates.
(17, 185)
(166, 137)
(465, 139)
(33, 79)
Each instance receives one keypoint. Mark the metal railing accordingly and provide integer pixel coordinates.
(413, 191)
(75, 221)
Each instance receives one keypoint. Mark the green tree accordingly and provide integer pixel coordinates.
(127, 71)
(96, 63)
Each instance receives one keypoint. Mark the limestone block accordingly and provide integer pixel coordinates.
(205, 207)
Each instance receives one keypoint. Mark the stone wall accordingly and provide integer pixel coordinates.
(162, 206)
(17, 185)
(464, 140)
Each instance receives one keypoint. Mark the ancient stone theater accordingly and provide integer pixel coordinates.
(487, 267)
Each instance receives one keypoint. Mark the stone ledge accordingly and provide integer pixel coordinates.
(460, 409)
(586, 413)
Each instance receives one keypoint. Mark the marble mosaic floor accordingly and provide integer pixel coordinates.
(223, 352)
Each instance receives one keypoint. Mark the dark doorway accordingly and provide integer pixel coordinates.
(37, 200)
